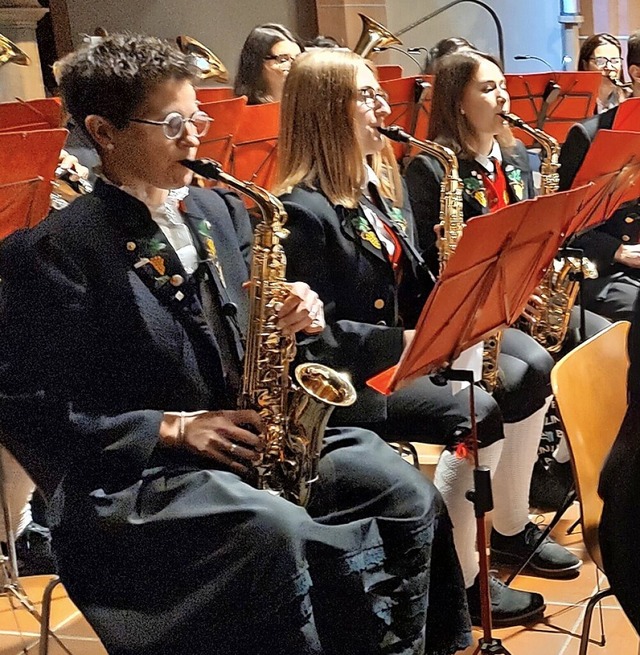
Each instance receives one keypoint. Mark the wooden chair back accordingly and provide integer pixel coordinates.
(590, 385)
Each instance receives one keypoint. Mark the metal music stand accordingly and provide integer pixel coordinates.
(11, 585)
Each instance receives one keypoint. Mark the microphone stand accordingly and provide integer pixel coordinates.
(551, 92)
(435, 13)
(482, 499)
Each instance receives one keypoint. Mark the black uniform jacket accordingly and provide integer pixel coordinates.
(336, 252)
(600, 243)
(125, 318)
(424, 176)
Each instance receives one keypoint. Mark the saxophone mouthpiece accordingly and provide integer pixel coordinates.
(207, 168)
(395, 133)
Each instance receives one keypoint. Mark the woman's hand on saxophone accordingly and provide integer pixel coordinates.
(230, 437)
(302, 310)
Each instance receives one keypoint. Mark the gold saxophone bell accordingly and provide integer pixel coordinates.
(11, 54)
(210, 67)
(373, 35)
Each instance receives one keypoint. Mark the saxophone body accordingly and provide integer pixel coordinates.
(294, 415)
(451, 222)
(546, 316)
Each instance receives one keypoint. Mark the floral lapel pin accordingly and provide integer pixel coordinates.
(365, 231)
(514, 177)
(474, 186)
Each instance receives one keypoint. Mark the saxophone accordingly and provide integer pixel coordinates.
(295, 416)
(451, 223)
(546, 316)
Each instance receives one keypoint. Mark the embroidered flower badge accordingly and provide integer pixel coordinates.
(398, 220)
(514, 176)
(365, 232)
(475, 188)
(155, 260)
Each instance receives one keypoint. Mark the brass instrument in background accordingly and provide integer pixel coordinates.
(295, 417)
(210, 67)
(11, 54)
(546, 316)
(373, 35)
(451, 227)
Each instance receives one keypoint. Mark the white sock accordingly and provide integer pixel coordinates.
(512, 478)
(562, 454)
(453, 478)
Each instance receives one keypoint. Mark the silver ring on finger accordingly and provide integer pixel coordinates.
(234, 447)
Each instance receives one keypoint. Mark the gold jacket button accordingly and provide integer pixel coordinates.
(379, 304)
(176, 280)
(629, 219)
(131, 246)
(626, 237)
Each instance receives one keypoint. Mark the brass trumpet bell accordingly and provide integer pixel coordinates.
(373, 35)
(11, 54)
(210, 67)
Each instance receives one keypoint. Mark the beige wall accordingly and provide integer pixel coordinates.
(618, 17)
(221, 26)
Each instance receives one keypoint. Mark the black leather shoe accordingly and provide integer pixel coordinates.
(550, 485)
(508, 606)
(33, 549)
(551, 560)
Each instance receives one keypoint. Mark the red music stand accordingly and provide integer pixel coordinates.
(42, 114)
(25, 156)
(611, 168)
(254, 152)
(214, 93)
(410, 103)
(17, 205)
(485, 286)
(575, 100)
(628, 116)
(218, 141)
(388, 72)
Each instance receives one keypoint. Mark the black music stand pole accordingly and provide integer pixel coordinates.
(482, 500)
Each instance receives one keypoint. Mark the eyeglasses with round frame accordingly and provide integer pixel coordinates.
(280, 60)
(370, 96)
(174, 124)
(601, 62)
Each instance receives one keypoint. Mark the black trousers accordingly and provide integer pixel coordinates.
(427, 412)
(614, 295)
(199, 562)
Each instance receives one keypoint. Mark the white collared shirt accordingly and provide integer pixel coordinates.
(170, 220)
(485, 160)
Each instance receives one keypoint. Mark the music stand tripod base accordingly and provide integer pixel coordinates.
(482, 500)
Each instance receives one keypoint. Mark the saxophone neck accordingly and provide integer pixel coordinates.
(271, 208)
